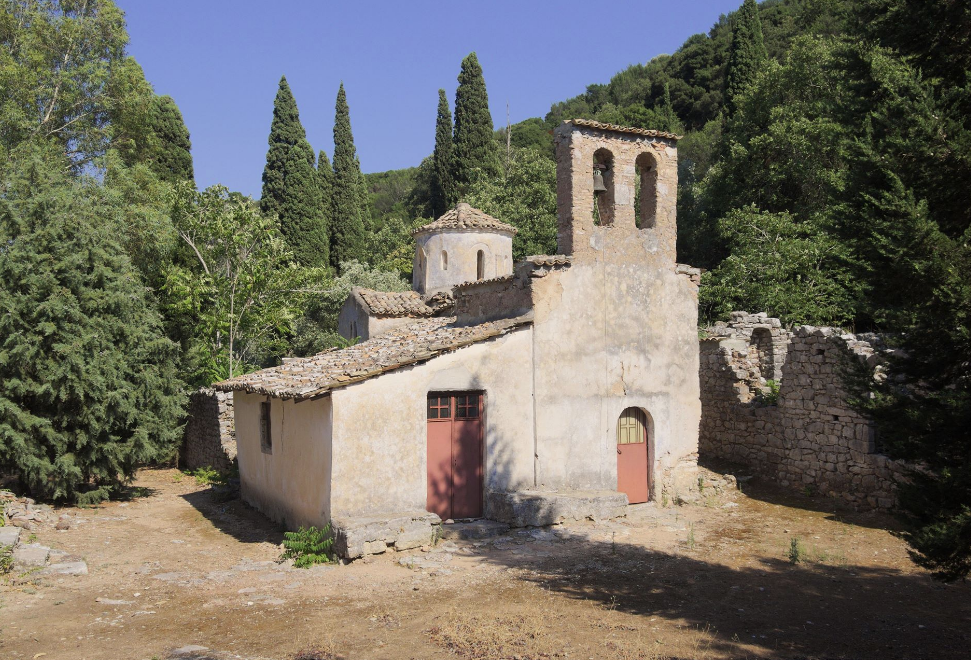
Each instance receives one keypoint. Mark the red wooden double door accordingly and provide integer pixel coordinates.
(455, 454)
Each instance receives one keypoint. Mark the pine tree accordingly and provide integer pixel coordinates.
(290, 188)
(347, 236)
(443, 190)
(747, 55)
(475, 144)
(172, 159)
(88, 382)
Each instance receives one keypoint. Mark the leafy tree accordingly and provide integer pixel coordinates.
(88, 388)
(793, 270)
(476, 151)
(235, 287)
(173, 150)
(60, 68)
(316, 330)
(291, 191)
(443, 192)
(347, 241)
(524, 197)
(747, 55)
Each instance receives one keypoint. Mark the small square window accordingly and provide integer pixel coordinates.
(439, 407)
(467, 406)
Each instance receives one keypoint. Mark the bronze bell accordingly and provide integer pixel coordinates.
(598, 182)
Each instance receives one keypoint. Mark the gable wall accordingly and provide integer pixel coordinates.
(379, 459)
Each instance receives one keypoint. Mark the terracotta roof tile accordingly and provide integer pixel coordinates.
(465, 218)
(549, 260)
(589, 123)
(395, 303)
(304, 378)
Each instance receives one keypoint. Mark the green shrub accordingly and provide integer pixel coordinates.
(795, 551)
(207, 476)
(769, 396)
(6, 560)
(308, 546)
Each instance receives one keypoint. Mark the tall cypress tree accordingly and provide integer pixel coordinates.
(172, 159)
(443, 189)
(347, 237)
(747, 54)
(325, 181)
(290, 187)
(475, 146)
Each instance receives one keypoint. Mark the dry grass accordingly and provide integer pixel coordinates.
(523, 634)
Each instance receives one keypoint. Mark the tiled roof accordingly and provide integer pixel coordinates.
(303, 378)
(395, 303)
(589, 123)
(491, 280)
(549, 260)
(464, 217)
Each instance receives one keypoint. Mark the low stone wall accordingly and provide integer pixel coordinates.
(209, 439)
(809, 438)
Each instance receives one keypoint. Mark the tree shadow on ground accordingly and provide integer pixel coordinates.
(223, 507)
(766, 607)
(757, 487)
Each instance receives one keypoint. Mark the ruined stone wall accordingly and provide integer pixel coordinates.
(209, 438)
(809, 439)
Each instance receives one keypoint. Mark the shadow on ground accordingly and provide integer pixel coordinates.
(229, 514)
(768, 608)
(764, 490)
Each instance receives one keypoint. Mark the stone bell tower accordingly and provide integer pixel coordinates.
(627, 158)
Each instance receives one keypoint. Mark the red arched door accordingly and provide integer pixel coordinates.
(633, 476)
(455, 455)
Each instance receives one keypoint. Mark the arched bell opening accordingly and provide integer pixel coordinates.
(603, 187)
(645, 195)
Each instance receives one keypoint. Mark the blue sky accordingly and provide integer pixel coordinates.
(221, 61)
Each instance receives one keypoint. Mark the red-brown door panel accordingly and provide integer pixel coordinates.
(440, 467)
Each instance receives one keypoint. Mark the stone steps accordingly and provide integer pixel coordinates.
(473, 530)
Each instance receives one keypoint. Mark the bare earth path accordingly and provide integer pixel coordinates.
(178, 567)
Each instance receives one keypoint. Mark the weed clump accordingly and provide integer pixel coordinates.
(308, 546)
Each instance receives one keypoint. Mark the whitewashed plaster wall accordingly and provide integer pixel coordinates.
(290, 484)
(431, 275)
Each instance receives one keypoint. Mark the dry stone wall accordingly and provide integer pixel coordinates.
(808, 438)
(209, 439)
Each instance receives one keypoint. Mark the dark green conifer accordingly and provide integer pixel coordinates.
(747, 55)
(325, 182)
(443, 190)
(88, 382)
(475, 144)
(347, 235)
(172, 159)
(290, 187)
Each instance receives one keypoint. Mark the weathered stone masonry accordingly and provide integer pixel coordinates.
(810, 439)
(209, 439)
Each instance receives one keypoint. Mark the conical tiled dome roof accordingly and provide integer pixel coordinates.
(465, 218)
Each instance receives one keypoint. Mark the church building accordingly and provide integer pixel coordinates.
(560, 387)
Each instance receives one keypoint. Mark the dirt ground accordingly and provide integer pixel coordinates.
(177, 566)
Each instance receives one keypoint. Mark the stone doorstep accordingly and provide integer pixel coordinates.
(365, 535)
(473, 530)
(31, 554)
(535, 508)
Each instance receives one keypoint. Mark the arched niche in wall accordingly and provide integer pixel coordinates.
(603, 201)
(645, 200)
(761, 349)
